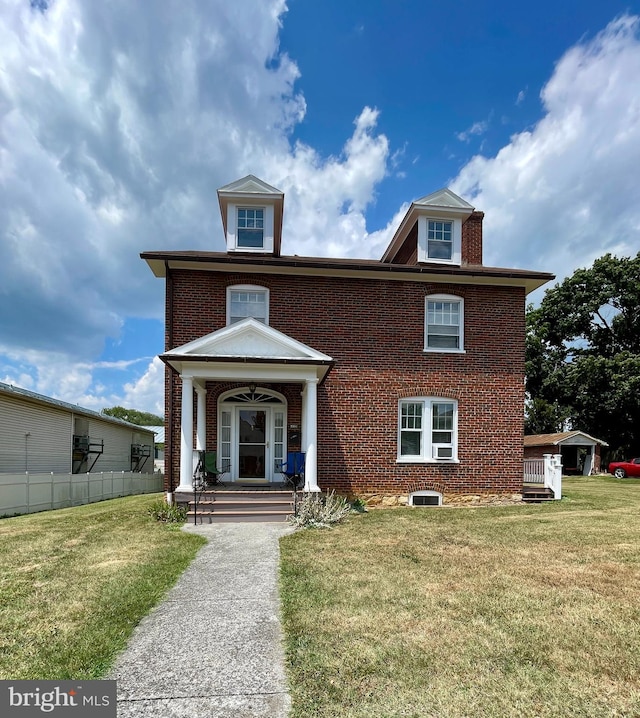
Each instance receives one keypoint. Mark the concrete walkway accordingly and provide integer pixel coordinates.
(213, 646)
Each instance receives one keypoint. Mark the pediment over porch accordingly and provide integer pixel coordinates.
(245, 342)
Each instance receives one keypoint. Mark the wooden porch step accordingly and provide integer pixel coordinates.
(238, 505)
(283, 504)
(238, 516)
(537, 494)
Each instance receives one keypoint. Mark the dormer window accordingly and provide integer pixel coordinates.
(250, 227)
(431, 232)
(440, 240)
(252, 216)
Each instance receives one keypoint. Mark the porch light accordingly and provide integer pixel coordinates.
(252, 391)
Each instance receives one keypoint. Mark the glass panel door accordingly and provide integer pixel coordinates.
(252, 443)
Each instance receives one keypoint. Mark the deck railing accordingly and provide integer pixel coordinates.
(546, 472)
(534, 471)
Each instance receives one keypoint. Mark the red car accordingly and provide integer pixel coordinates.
(621, 469)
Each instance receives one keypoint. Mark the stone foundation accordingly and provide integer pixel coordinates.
(384, 501)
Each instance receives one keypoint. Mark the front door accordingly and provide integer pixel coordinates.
(253, 445)
(251, 437)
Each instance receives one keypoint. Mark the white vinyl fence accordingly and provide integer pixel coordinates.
(27, 493)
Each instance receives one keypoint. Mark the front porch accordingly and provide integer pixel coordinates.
(248, 380)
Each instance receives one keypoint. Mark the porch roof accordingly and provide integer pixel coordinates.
(248, 349)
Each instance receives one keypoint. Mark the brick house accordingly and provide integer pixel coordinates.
(394, 376)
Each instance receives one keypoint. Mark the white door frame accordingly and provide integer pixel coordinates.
(270, 409)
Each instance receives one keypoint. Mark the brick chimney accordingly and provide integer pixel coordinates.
(472, 239)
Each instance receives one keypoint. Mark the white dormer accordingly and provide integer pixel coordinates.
(435, 222)
(440, 227)
(252, 216)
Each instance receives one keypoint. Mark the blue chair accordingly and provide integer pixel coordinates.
(293, 468)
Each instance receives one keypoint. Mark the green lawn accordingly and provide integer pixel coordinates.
(75, 582)
(506, 611)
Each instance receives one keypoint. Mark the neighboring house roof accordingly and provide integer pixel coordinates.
(362, 268)
(562, 437)
(159, 432)
(10, 390)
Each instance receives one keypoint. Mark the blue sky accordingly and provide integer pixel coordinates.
(117, 126)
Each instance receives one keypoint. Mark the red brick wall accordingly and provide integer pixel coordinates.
(472, 239)
(375, 332)
(537, 452)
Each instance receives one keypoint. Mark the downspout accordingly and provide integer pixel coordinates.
(168, 408)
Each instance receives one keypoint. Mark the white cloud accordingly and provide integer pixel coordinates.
(566, 192)
(147, 392)
(477, 128)
(521, 95)
(117, 125)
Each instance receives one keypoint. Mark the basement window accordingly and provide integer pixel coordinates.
(425, 498)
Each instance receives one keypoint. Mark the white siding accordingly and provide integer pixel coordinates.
(117, 445)
(48, 446)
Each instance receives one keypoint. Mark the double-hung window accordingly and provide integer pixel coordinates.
(444, 323)
(250, 227)
(439, 239)
(245, 301)
(427, 429)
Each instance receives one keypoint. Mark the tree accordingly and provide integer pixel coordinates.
(141, 418)
(583, 355)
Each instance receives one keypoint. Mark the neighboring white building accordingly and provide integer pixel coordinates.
(39, 434)
(158, 449)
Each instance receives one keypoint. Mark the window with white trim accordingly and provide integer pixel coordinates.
(247, 300)
(444, 323)
(250, 228)
(427, 429)
(439, 240)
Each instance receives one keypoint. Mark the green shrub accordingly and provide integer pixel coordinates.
(358, 505)
(316, 510)
(169, 513)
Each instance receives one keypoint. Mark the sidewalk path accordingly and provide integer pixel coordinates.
(213, 646)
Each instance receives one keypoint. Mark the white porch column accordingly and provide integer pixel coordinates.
(310, 419)
(201, 426)
(186, 436)
(303, 425)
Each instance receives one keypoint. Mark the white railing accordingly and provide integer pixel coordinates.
(546, 472)
(27, 493)
(534, 471)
